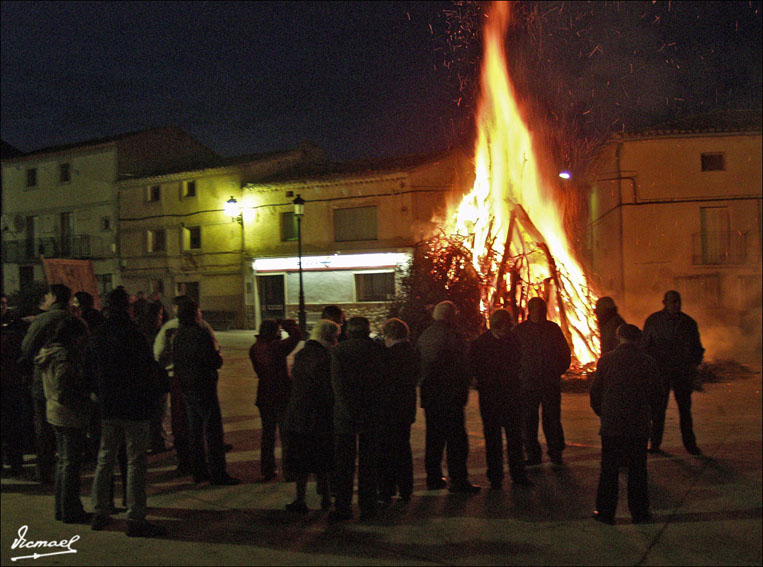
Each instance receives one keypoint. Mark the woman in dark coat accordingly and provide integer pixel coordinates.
(310, 415)
(268, 355)
(396, 458)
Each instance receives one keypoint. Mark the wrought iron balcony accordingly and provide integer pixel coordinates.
(719, 248)
(30, 249)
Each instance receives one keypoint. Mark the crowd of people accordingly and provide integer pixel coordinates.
(116, 384)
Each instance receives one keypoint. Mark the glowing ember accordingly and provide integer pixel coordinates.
(510, 219)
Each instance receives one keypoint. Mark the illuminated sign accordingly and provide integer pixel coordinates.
(332, 262)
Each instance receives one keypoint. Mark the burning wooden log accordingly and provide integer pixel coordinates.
(518, 212)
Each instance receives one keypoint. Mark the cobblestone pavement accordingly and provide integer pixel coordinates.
(707, 510)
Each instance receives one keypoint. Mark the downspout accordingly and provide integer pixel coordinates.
(620, 223)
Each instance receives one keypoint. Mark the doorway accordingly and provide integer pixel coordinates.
(272, 296)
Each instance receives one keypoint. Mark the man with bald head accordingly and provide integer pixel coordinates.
(445, 380)
(672, 338)
(545, 356)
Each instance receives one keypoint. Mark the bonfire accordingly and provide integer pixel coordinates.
(510, 219)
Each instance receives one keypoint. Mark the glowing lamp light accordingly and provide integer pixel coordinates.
(299, 206)
(232, 209)
(565, 174)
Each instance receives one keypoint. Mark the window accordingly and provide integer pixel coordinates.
(700, 291)
(288, 227)
(31, 177)
(153, 193)
(105, 283)
(26, 276)
(190, 289)
(189, 189)
(156, 241)
(64, 173)
(716, 244)
(66, 232)
(357, 223)
(713, 162)
(375, 286)
(192, 238)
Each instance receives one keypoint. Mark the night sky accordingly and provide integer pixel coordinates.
(362, 79)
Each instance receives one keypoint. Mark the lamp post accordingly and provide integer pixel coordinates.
(236, 214)
(299, 210)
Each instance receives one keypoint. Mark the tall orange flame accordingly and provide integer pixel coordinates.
(510, 213)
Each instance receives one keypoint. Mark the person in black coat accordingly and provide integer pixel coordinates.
(268, 355)
(402, 370)
(359, 384)
(445, 380)
(545, 356)
(496, 358)
(309, 420)
(608, 320)
(119, 362)
(196, 363)
(87, 311)
(624, 394)
(671, 337)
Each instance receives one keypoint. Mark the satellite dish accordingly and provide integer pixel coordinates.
(18, 223)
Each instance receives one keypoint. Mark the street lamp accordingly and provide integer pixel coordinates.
(234, 211)
(299, 210)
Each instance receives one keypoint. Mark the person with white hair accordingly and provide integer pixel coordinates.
(309, 422)
(445, 380)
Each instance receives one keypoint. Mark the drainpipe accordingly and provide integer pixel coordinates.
(620, 224)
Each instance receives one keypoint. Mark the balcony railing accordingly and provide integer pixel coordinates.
(719, 248)
(30, 249)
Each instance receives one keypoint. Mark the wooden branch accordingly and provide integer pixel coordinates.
(506, 252)
(533, 232)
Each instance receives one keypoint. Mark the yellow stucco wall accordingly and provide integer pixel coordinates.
(646, 227)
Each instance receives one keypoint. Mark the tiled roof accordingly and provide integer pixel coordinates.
(351, 168)
(96, 141)
(722, 121)
(8, 151)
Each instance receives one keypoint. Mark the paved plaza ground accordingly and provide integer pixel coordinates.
(707, 510)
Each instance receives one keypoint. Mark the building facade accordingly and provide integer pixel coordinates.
(176, 238)
(360, 223)
(681, 209)
(61, 202)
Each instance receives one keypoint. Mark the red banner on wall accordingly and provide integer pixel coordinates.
(78, 275)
